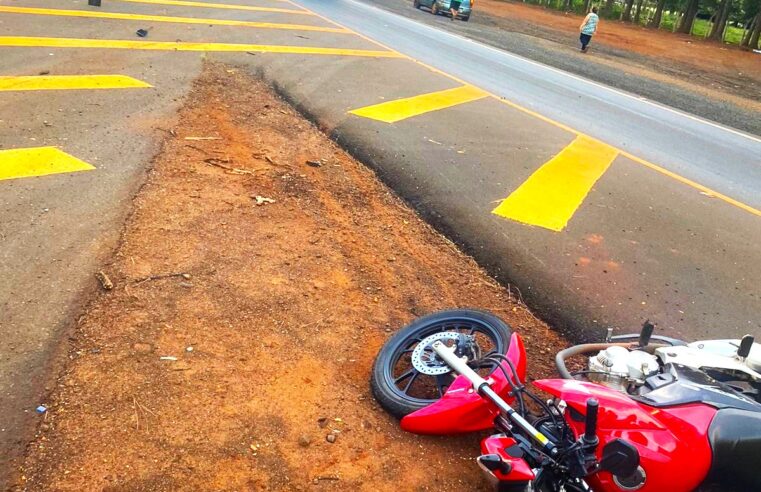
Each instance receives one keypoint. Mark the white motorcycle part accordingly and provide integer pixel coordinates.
(717, 354)
(619, 362)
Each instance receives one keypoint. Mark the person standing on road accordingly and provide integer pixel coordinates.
(588, 27)
(454, 7)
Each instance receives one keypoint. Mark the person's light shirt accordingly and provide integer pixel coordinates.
(591, 24)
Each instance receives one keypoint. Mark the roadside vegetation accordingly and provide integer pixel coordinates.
(735, 22)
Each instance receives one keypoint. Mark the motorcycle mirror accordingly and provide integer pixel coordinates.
(494, 462)
(620, 458)
(745, 345)
(647, 331)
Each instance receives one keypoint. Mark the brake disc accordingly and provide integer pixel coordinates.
(425, 360)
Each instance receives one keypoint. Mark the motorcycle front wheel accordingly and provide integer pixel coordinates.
(407, 376)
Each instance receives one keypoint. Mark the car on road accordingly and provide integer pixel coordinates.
(444, 6)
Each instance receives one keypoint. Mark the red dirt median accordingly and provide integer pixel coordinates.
(239, 335)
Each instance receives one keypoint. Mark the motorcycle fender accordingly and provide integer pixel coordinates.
(461, 409)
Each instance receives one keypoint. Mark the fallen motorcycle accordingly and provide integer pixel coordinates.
(646, 412)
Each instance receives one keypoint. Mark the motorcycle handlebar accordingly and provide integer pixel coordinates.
(590, 423)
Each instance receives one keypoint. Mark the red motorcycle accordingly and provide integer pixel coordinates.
(646, 413)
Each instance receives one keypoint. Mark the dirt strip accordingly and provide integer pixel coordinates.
(252, 290)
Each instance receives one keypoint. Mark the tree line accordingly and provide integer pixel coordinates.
(731, 21)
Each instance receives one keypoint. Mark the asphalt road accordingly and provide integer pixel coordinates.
(716, 156)
(666, 226)
(643, 245)
(614, 67)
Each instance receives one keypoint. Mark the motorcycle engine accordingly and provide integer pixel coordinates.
(620, 368)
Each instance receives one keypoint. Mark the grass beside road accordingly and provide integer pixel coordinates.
(701, 28)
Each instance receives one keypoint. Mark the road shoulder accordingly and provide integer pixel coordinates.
(252, 291)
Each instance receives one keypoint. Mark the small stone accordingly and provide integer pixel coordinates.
(305, 441)
(187, 285)
(331, 438)
(188, 349)
(105, 282)
(314, 163)
(187, 276)
(142, 348)
(322, 421)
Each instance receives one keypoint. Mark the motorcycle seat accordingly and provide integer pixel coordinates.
(735, 438)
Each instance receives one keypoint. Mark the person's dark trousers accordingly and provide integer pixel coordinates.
(585, 39)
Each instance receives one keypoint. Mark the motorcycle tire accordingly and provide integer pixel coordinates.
(392, 398)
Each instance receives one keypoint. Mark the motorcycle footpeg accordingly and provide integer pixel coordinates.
(494, 463)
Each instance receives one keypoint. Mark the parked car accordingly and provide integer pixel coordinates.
(444, 6)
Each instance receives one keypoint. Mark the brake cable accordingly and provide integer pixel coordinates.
(522, 389)
(516, 389)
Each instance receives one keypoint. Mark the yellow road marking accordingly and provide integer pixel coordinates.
(162, 18)
(23, 41)
(67, 82)
(38, 161)
(182, 3)
(401, 109)
(550, 197)
(639, 160)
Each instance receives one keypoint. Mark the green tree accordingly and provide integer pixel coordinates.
(720, 20)
(656, 20)
(752, 18)
(638, 11)
(754, 32)
(627, 14)
(688, 16)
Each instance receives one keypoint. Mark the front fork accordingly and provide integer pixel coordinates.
(579, 459)
(481, 386)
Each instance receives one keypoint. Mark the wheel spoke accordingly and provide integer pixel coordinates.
(409, 383)
(404, 376)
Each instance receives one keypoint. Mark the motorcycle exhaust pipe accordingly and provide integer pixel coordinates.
(480, 385)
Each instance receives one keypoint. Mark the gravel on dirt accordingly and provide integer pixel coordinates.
(719, 83)
(287, 305)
